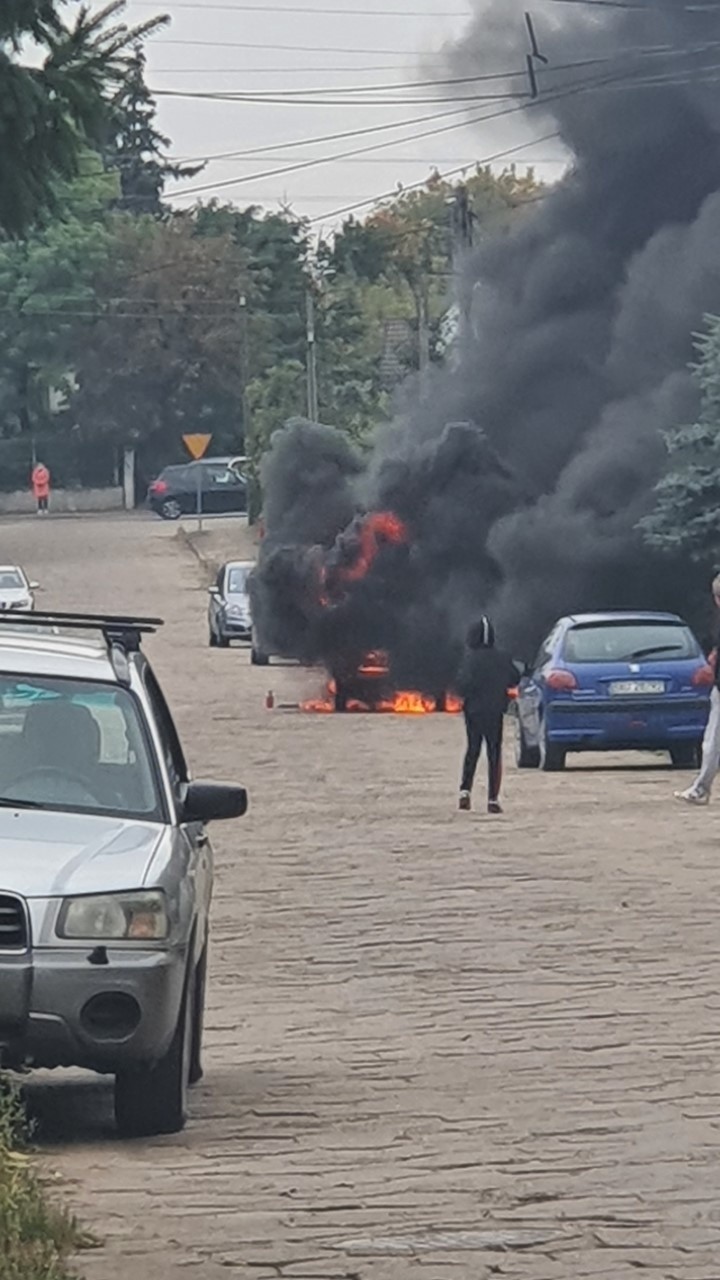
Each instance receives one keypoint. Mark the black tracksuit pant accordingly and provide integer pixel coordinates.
(481, 729)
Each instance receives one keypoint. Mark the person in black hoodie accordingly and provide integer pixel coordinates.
(485, 676)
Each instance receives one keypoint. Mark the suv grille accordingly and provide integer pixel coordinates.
(13, 925)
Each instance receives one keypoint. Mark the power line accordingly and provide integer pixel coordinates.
(417, 186)
(632, 5)
(307, 164)
(343, 136)
(290, 100)
(266, 71)
(298, 96)
(413, 137)
(284, 8)
(317, 91)
(567, 91)
(290, 202)
(181, 313)
(291, 48)
(394, 159)
(321, 92)
(572, 90)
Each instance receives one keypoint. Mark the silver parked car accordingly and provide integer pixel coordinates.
(106, 871)
(229, 616)
(230, 610)
(16, 590)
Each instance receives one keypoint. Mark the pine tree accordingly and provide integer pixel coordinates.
(686, 517)
(136, 148)
(49, 113)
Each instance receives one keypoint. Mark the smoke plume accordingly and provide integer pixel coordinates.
(522, 471)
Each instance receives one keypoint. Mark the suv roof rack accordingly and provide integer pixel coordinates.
(118, 629)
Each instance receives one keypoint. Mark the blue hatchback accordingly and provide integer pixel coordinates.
(614, 682)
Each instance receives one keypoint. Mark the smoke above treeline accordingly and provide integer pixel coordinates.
(521, 471)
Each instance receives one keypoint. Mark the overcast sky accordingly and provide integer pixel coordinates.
(271, 46)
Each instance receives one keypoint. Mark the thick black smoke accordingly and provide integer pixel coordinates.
(522, 471)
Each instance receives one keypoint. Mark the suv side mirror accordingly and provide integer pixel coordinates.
(214, 802)
(213, 591)
(34, 586)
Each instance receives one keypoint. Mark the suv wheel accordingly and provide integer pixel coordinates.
(198, 1022)
(213, 640)
(170, 509)
(151, 1098)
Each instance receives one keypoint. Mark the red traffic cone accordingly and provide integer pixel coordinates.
(269, 699)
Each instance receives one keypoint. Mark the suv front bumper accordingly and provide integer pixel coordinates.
(59, 1007)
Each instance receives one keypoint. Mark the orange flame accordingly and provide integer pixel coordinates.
(376, 528)
(405, 702)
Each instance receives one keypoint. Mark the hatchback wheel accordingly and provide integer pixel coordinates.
(686, 755)
(151, 1098)
(171, 509)
(552, 757)
(525, 757)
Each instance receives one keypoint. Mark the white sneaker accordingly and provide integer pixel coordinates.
(693, 797)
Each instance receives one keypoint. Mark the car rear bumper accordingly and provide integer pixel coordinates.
(635, 723)
(59, 1009)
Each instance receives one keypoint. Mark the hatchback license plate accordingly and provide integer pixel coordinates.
(623, 688)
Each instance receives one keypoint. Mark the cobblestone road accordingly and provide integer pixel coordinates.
(438, 1044)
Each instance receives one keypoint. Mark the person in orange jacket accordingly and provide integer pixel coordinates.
(41, 487)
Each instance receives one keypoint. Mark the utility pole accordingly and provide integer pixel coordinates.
(462, 225)
(244, 369)
(312, 393)
(423, 329)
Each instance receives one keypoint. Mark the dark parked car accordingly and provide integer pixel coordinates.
(223, 488)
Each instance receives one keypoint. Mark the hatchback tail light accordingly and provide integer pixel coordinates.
(158, 486)
(704, 676)
(562, 680)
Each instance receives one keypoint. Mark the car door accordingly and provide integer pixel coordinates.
(199, 871)
(530, 693)
(234, 493)
(228, 489)
(182, 487)
(217, 598)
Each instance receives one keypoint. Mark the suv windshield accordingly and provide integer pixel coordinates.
(629, 642)
(77, 746)
(11, 580)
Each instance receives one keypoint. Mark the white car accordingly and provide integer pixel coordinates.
(16, 591)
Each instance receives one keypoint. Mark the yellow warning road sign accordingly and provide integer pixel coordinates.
(197, 445)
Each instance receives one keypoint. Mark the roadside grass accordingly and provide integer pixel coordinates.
(37, 1237)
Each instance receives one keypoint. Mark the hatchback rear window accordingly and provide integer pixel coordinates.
(629, 642)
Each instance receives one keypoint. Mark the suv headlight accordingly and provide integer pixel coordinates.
(236, 611)
(138, 917)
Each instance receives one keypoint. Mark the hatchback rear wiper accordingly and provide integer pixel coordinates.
(653, 648)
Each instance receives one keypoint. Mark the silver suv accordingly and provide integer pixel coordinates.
(106, 871)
